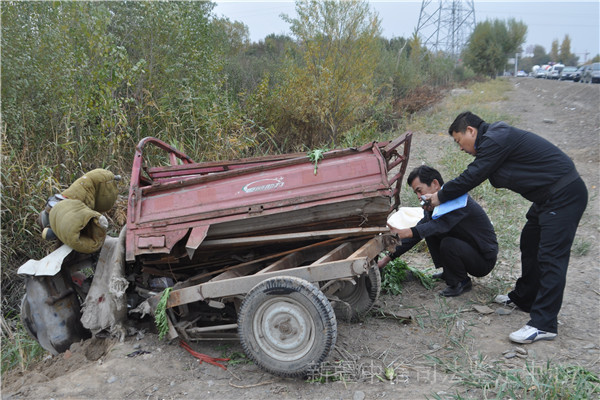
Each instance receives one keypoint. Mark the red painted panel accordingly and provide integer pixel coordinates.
(180, 197)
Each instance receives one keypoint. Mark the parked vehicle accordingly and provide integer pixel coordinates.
(277, 248)
(521, 73)
(591, 74)
(554, 71)
(577, 75)
(541, 71)
(567, 73)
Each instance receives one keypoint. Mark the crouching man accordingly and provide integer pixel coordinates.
(461, 241)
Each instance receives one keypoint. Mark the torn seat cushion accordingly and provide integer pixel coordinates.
(105, 305)
(76, 225)
(97, 189)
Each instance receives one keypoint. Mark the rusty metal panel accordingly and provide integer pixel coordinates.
(196, 238)
(151, 242)
(245, 197)
(358, 174)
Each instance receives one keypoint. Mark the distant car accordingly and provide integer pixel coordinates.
(591, 74)
(554, 71)
(521, 73)
(541, 71)
(578, 73)
(567, 73)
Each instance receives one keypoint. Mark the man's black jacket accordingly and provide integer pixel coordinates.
(470, 224)
(514, 159)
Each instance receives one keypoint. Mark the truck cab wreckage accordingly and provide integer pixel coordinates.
(271, 250)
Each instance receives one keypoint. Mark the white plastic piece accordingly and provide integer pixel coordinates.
(47, 266)
(405, 217)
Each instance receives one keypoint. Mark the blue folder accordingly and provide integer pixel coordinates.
(450, 206)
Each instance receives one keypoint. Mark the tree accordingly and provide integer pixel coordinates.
(492, 43)
(554, 51)
(516, 34)
(566, 57)
(539, 55)
(234, 35)
(338, 44)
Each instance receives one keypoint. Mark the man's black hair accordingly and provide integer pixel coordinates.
(426, 174)
(462, 121)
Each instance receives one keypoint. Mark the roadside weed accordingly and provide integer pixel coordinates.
(397, 272)
(394, 275)
(315, 156)
(492, 379)
(444, 318)
(581, 247)
(235, 357)
(19, 349)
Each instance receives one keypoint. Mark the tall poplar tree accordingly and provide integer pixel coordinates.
(492, 43)
(333, 80)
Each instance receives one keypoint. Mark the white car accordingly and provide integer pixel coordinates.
(554, 71)
(541, 71)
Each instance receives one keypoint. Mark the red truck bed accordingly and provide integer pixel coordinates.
(197, 203)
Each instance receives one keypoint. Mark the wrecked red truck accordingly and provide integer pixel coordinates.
(268, 250)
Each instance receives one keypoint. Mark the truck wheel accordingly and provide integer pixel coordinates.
(287, 326)
(359, 296)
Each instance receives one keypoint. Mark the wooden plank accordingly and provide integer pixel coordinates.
(340, 252)
(288, 237)
(242, 285)
(270, 257)
(289, 261)
(234, 273)
(370, 250)
(324, 215)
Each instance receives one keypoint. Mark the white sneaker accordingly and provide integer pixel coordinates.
(529, 334)
(503, 299)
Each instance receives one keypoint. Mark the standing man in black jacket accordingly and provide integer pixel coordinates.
(461, 241)
(539, 171)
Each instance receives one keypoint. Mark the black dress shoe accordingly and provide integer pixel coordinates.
(458, 289)
(439, 275)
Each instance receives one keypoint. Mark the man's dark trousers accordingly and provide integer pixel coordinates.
(458, 258)
(546, 242)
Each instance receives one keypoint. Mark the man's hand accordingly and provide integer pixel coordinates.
(384, 261)
(432, 199)
(402, 233)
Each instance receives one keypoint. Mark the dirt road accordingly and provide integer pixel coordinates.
(442, 332)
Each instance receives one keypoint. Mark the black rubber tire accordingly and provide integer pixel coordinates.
(287, 326)
(360, 297)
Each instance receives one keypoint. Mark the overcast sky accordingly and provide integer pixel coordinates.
(545, 20)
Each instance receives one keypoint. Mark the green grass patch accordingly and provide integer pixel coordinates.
(547, 381)
(581, 247)
(19, 349)
(235, 357)
(397, 272)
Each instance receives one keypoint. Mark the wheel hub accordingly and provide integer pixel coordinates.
(284, 328)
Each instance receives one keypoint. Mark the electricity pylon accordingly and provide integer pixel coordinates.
(446, 25)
